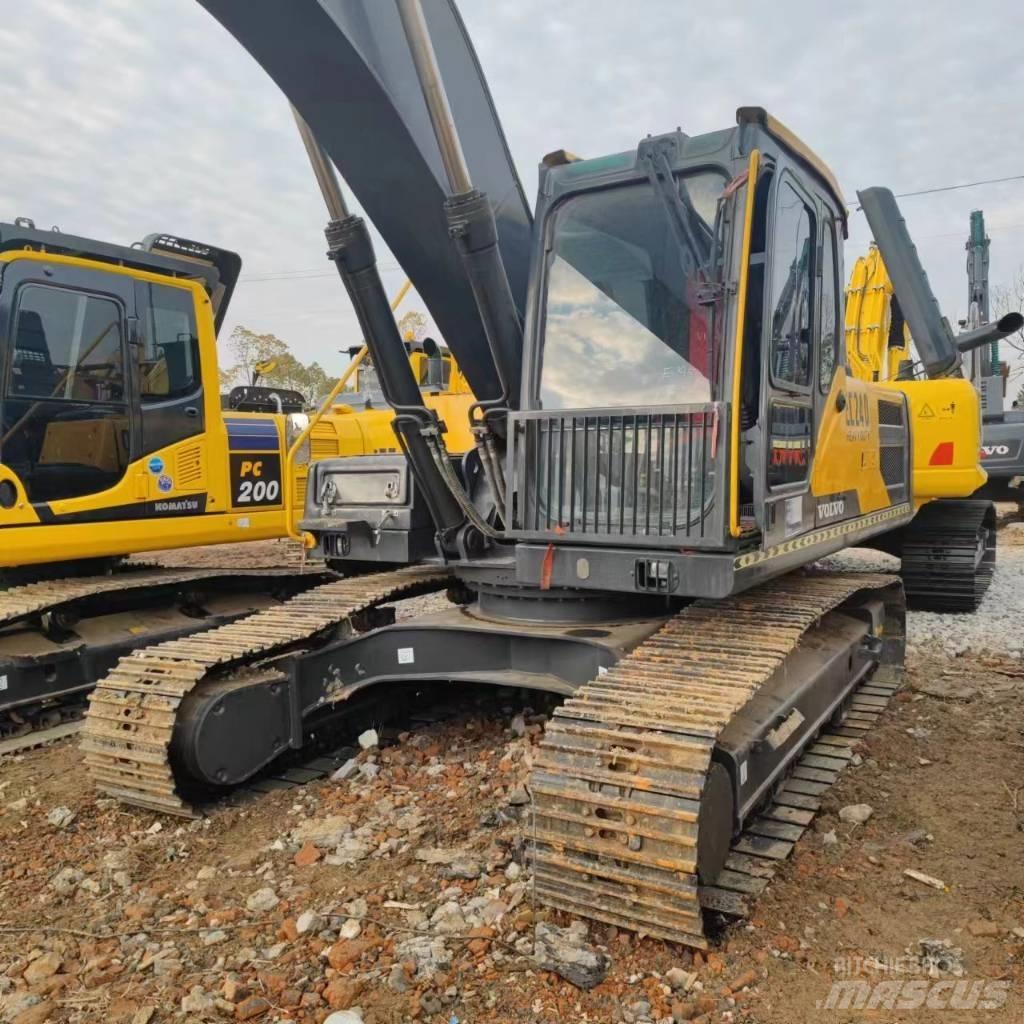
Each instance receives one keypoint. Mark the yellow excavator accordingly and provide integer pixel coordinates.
(943, 406)
(115, 440)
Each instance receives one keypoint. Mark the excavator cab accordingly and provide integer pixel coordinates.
(102, 359)
(686, 424)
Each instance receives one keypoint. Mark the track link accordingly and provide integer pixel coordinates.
(132, 711)
(618, 781)
(24, 602)
(948, 555)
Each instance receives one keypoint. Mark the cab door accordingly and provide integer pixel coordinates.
(167, 366)
(790, 377)
(66, 426)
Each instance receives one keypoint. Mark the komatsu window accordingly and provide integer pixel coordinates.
(169, 357)
(67, 347)
(623, 327)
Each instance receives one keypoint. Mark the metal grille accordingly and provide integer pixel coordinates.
(636, 477)
(890, 414)
(893, 448)
(190, 466)
(323, 442)
(892, 462)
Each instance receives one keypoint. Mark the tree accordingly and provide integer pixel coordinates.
(1010, 299)
(412, 326)
(250, 349)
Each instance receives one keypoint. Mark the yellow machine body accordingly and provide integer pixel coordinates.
(220, 483)
(945, 413)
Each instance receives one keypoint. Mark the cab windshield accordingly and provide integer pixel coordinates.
(622, 323)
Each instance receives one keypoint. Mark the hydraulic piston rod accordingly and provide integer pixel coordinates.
(323, 170)
(470, 215)
(429, 74)
(351, 249)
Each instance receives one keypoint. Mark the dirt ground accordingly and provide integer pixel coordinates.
(401, 892)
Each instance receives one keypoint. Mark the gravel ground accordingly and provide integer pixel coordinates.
(997, 628)
(400, 893)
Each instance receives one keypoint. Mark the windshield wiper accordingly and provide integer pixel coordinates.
(681, 211)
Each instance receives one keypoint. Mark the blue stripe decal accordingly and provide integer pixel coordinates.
(252, 435)
(253, 444)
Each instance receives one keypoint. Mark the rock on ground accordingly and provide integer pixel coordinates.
(567, 952)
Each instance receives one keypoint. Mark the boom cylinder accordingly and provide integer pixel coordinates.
(351, 249)
(470, 216)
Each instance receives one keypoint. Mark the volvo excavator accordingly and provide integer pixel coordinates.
(115, 440)
(666, 437)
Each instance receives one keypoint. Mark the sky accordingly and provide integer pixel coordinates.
(123, 117)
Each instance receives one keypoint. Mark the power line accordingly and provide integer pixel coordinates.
(301, 274)
(953, 188)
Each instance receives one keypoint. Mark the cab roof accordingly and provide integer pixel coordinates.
(796, 147)
(216, 269)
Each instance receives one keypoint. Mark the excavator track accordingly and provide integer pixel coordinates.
(132, 712)
(620, 775)
(948, 555)
(48, 661)
(21, 603)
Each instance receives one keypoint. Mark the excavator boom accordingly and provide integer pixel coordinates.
(346, 67)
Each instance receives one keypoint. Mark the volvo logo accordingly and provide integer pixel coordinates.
(994, 449)
(831, 509)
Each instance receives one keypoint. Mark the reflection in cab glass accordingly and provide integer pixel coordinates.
(622, 323)
(65, 421)
(169, 353)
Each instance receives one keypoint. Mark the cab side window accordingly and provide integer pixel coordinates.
(169, 355)
(830, 333)
(67, 346)
(791, 298)
(65, 427)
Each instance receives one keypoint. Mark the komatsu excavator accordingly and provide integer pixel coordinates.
(667, 436)
(114, 441)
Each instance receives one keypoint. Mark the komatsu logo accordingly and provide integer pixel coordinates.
(831, 509)
(994, 449)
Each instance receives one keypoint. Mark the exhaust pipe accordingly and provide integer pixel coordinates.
(1009, 324)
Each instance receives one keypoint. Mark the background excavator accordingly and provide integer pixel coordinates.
(881, 347)
(666, 436)
(115, 440)
(1002, 435)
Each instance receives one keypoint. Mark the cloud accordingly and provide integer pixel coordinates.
(122, 118)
